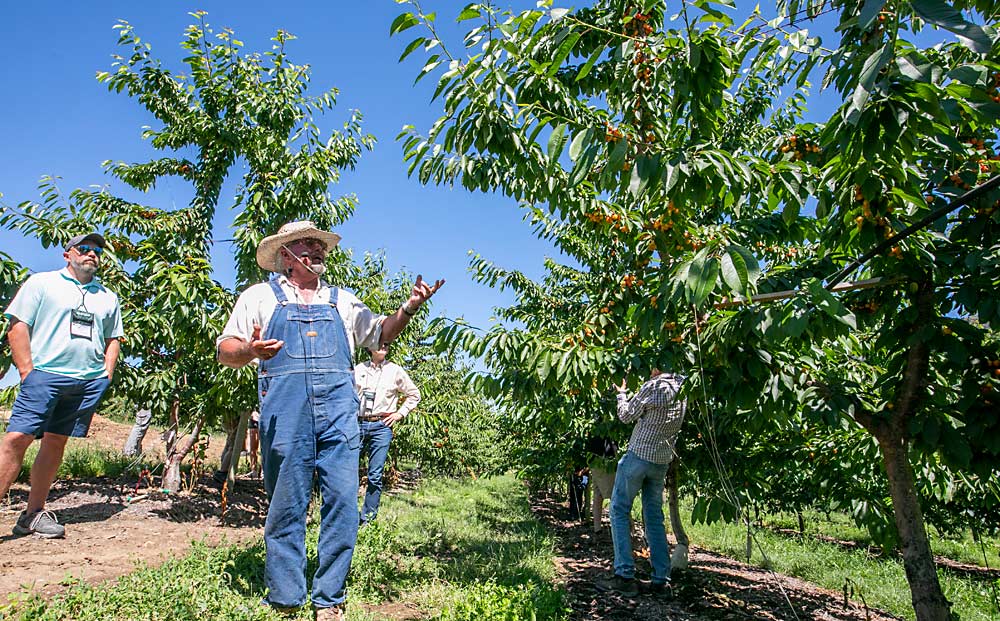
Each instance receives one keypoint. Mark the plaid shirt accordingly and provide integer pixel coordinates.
(658, 415)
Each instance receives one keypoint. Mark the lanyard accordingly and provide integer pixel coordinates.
(83, 297)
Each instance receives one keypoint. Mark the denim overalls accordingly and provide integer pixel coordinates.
(308, 423)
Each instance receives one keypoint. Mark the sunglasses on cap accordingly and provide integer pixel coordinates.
(86, 248)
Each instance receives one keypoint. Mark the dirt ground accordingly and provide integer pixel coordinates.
(110, 527)
(713, 587)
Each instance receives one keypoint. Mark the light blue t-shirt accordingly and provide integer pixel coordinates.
(45, 302)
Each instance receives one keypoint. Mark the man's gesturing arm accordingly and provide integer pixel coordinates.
(394, 324)
(235, 352)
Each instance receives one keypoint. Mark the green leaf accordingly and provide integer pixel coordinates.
(469, 12)
(579, 140)
(432, 63)
(645, 170)
(869, 11)
(701, 277)
(617, 157)
(585, 69)
(402, 22)
(869, 72)
(584, 164)
(734, 272)
(563, 363)
(562, 53)
(544, 365)
(946, 16)
(556, 142)
(822, 207)
(411, 47)
(790, 211)
(909, 68)
(830, 305)
(749, 260)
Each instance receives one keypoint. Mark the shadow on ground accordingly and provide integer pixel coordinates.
(712, 588)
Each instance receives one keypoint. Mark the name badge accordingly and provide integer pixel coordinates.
(81, 324)
(367, 404)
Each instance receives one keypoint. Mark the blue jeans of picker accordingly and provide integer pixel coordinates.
(308, 431)
(636, 476)
(375, 440)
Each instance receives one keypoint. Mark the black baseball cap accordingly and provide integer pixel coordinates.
(91, 237)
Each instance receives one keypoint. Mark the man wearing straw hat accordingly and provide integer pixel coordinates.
(302, 333)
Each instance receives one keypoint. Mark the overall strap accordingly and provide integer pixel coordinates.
(333, 296)
(278, 291)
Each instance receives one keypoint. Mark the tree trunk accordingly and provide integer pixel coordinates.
(238, 443)
(929, 602)
(679, 557)
(890, 429)
(802, 524)
(749, 537)
(231, 425)
(172, 468)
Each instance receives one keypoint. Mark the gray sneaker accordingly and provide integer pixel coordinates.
(41, 523)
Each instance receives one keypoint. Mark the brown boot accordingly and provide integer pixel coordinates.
(333, 613)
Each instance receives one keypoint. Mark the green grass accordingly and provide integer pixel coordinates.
(959, 547)
(463, 549)
(83, 460)
(458, 550)
(880, 581)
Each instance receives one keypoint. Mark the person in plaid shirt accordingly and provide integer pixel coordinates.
(658, 414)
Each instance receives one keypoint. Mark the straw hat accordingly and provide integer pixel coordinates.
(267, 250)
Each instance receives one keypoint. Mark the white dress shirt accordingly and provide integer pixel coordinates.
(257, 303)
(389, 382)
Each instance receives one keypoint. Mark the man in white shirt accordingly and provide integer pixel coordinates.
(302, 332)
(64, 337)
(380, 384)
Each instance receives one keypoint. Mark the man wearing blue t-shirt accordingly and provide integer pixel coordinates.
(64, 337)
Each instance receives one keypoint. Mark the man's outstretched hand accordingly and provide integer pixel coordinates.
(265, 350)
(422, 292)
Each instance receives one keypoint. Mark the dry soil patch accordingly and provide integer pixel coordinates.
(108, 532)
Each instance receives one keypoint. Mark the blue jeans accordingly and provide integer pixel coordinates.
(638, 475)
(375, 440)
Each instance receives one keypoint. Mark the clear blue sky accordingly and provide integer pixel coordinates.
(57, 119)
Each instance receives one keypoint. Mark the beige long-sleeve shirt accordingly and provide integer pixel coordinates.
(389, 382)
